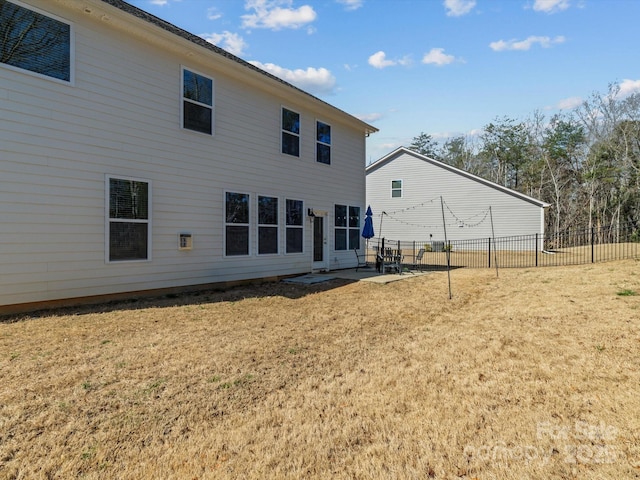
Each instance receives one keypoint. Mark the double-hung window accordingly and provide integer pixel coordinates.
(340, 224)
(34, 41)
(396, 188)
(197, 102)
(323, 143)
(346, 227)
(128, 213)
(236, 223)
(294, 226)
(290, 132)
(267, 225)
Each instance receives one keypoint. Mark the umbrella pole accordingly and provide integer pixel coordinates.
(366, 255)
(446, 247)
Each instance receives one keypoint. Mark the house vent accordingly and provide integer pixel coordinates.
(185, 241)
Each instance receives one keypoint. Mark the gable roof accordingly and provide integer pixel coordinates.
(215, 50)
(405, 151)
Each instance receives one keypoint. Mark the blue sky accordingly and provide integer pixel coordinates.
(443, 67)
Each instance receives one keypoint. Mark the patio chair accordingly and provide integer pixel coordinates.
(417, 261)
(362, 259)
(391, 260)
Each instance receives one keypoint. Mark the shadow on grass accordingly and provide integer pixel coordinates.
(437, 268)
(187, 297)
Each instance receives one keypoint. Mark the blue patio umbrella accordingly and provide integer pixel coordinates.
(367, 230)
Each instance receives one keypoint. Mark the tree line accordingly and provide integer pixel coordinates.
(585, 162)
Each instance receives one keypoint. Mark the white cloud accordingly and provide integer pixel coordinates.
(457, 8)
(231, 42)
(569, 103)
(526, 44)
(380, 60)
(277, 14)
(550, 6)
(628, 87)
(213, 14)
(162, 3)
(369, 117)
(313, 80)
(351, 4)
(436, 56)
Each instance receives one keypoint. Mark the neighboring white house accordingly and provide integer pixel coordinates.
(136, 156)
(409, 187)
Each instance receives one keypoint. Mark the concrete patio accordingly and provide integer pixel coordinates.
(364, 274)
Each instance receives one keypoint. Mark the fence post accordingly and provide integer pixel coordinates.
(489, 252)
(592, 241)
(537, 249)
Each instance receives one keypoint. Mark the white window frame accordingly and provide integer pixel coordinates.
(267, 225)
(72, 48)
(347, 228)
(318, 142)
(225, 224)
(108, 219)
(184, 99)
(395, 189)
(283, 131)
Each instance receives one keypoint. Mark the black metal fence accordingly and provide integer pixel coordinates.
(575, 247)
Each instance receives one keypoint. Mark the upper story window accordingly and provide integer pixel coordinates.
(128, 213)
(197, 102)
(396, 188)
(33, 41)
(290, 132)
(323, 143)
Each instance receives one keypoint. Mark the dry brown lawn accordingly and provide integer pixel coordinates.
(532, 375)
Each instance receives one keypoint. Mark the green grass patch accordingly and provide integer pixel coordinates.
(626, 293)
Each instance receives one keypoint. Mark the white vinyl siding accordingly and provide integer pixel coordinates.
(123, 118)
(417, 215)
